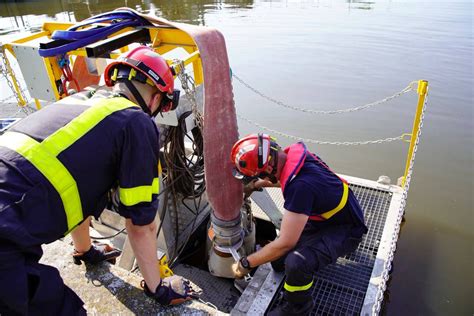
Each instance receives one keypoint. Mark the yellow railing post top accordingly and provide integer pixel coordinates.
(422, 87)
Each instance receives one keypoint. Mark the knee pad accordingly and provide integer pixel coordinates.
(298, 262)
(278, 265)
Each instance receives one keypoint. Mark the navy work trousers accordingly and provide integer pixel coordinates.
(314, 251)
(30, 288)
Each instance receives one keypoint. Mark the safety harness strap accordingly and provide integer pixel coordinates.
(340, 206)
(44, 155)
(293, 288)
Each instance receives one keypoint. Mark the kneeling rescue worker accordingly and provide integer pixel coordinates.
(323, 219)
(56, 168)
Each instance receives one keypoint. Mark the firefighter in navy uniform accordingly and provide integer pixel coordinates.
(323, 219)
(56, 168)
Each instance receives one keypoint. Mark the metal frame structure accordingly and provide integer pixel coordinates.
(162, 38)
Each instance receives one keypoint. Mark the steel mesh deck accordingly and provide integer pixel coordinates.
(340, 288)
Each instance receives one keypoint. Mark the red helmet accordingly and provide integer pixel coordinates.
(253, 153)
(146, 66)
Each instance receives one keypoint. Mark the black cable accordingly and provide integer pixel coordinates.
(184, 177)
(190, 168)
(193, 182)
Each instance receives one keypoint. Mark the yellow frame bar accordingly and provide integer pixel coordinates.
(422, 92)
(52, 67)
(166, 39)
(163, 40)
(31, 37)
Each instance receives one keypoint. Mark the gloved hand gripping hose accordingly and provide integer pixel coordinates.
(172, 290)
(97, 253)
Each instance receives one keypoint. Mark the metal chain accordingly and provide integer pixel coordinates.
(7, 99)
(321, 142)
(10, 97)
(3, 68)
(388, 264)
(409, 88)
(187, 83)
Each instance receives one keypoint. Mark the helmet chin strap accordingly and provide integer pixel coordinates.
(274, 165)
(275, 161)
(272, 175)
(153, 100)
(131, 87)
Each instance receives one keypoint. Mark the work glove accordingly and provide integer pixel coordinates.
(172, 290)
(239, 270)
(97, 253)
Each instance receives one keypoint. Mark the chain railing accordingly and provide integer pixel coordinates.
(188, 85)
(322, 142)
(17, 92)
(407, 89)
(10, 97)
(7, 99)
(388, 263)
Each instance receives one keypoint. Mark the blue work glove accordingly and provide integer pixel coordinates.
(172, 290)
(97, 253)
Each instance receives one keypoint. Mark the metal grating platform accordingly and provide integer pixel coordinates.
(339, 289)
(349, 286)
(219, 293)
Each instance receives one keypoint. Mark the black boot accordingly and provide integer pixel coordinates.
(296, 303)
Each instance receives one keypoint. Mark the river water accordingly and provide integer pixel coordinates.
(328, 55)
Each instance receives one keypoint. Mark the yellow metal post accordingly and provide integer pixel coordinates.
(198, 71)
(38, 104)
(49, 64)
(422, 91)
